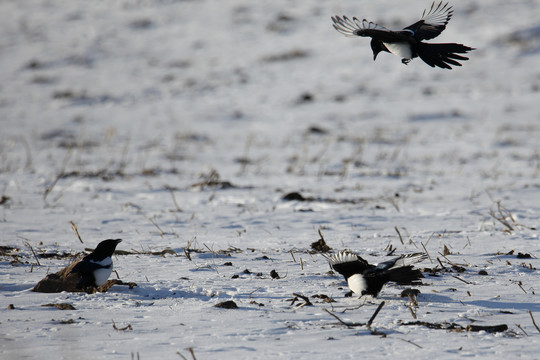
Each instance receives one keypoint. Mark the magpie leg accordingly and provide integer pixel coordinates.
(349, 294)
(406, 61)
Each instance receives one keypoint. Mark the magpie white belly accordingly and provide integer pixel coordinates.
(400, 49)
(104, 270)
(357, 283)
(102, 275)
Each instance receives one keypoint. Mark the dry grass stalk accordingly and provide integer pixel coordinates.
(412, 343)
(412, 312)
(425, 250)
(33, 252)
(125, 328)
(74, 227)
(390, 249)
(504, 216)
(460, 279)
(60, 174)
(413, 298)
(343, 322)
(191, 351)
(440, 262)
(534, 322)
(375, 314)
(446, 251)
(306, 302)
(292, 255)
(399, 234)
(161, 232)
(520, 328)
(171, 191)
(368, 324)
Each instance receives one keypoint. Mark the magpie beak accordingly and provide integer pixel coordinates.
(367, 279)
(94, 269)
(407, 43)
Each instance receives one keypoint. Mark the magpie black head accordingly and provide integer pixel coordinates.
(377, 46)
(104, 249)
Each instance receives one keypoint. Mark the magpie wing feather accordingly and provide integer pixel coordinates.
(84, 270)
(401, 261)
(432, 23)
(355, 27)
(441, 55)
(409, 259)
(347, 263)
(84, 267)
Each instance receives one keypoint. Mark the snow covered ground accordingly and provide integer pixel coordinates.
(179, 126)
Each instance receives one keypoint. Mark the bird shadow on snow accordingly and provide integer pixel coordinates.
(489, 304)
(435, 298)
(534, 307)
(150, 292)
(15, 288)
(147, 293)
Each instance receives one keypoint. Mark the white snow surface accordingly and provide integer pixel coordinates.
(131, 118)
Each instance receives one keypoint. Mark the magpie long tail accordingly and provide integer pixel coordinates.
(442, 55)
(405, 275)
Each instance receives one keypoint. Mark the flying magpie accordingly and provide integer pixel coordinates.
(407, 43)
(94, 269)
(367, 279)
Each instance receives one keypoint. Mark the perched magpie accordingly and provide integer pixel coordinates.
(407, 43)
(94, 269)
(366, 279)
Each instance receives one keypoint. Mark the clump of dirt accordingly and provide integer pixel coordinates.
(320, 245)
(274, 274)
(410, 292)
(61, 306)
(64, 280)
(229, 304)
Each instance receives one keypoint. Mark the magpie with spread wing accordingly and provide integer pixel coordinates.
(364, 278)
(407, 43)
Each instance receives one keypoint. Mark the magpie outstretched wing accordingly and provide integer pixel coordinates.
(401, 261)
(347, 263)
(432, 23)
(355, 27)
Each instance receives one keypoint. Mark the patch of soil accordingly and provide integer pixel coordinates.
(229, 304)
